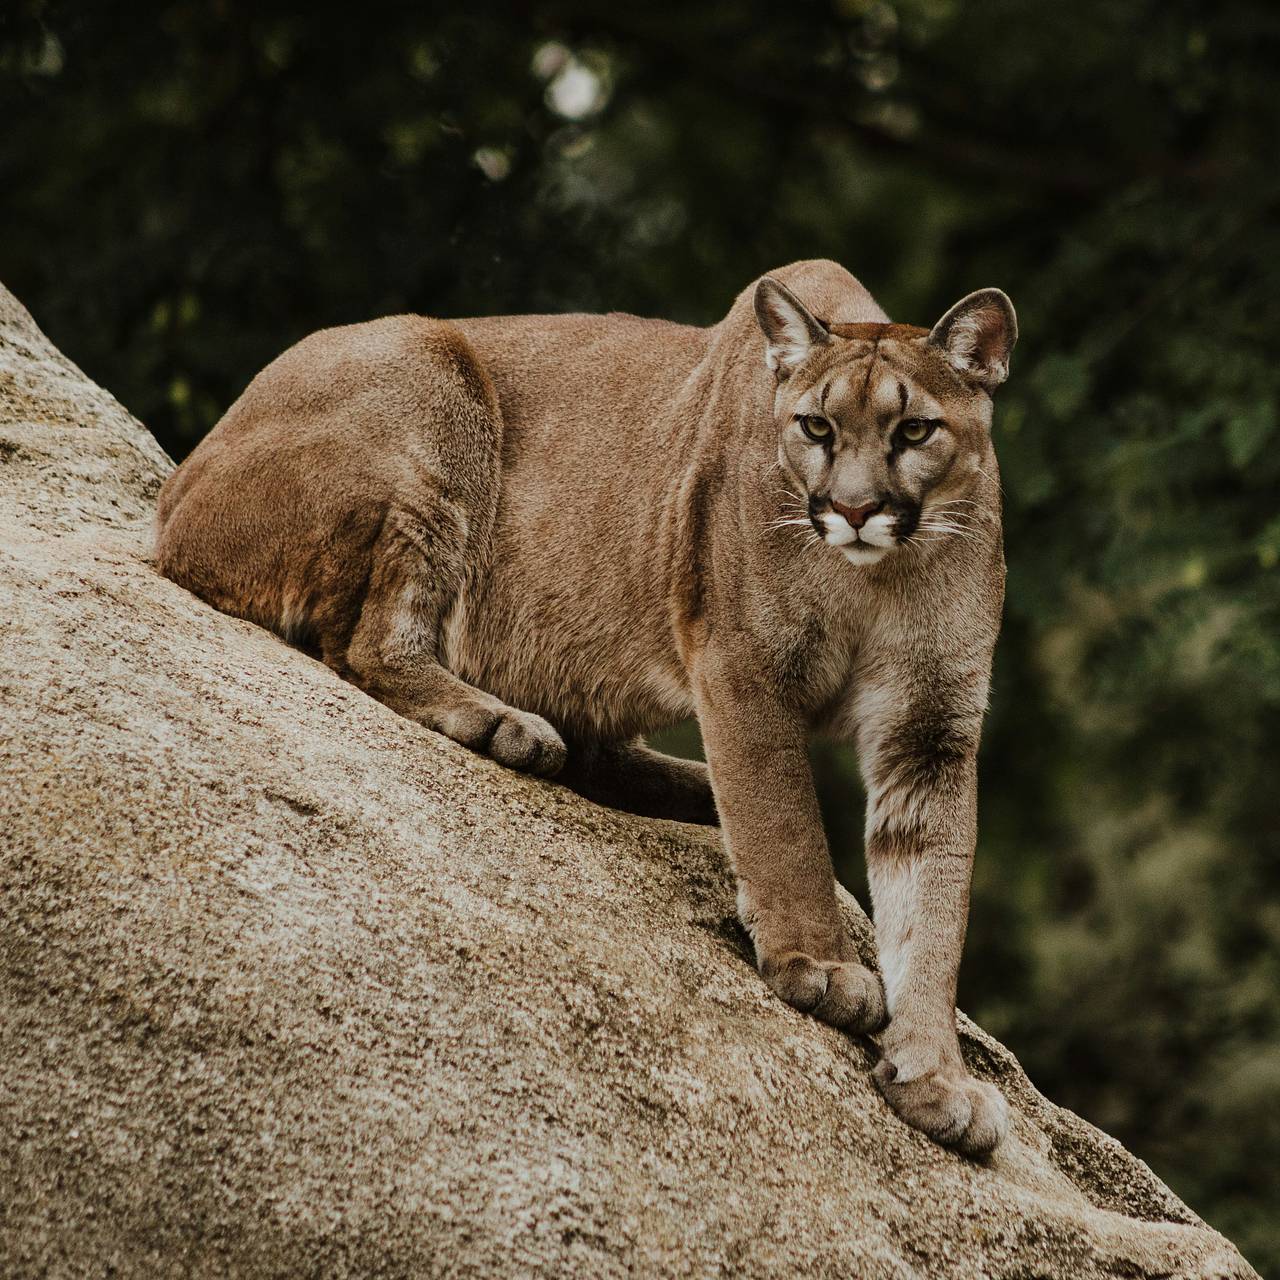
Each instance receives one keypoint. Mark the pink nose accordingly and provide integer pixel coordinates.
(856, 516)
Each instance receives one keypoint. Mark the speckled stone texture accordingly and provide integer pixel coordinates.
(290, 986)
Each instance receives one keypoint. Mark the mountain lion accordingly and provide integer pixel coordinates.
(547, 536)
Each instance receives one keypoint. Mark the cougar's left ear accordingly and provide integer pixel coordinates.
(977, 335)
(789, 329)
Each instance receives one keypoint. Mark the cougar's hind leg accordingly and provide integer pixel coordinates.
(418, 568)
(635, 777)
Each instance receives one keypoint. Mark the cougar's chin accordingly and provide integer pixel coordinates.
(864, 553)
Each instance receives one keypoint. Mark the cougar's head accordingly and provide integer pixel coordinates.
(883, 428)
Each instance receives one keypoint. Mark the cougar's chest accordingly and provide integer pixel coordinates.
(842, 639)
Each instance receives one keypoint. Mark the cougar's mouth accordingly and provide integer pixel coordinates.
(872, 540)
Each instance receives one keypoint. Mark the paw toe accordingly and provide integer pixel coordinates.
(989, 1123)
(527, 742)
(799, 980)
(854, 1000)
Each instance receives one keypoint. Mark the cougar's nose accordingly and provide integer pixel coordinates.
(856, 516)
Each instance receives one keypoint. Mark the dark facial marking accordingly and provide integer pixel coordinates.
(871, 365)
(814, 513)
(908, 517)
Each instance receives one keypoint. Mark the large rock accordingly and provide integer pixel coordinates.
(289, 985)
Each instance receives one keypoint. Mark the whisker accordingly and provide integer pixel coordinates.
(945, 535)
(984, 472)
(947, 528)
(950, 521)
(945, 509)
(950, 531)
(955, 531)
(948, 508)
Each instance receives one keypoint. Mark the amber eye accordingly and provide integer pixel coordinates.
(915, 431)
(815, 428)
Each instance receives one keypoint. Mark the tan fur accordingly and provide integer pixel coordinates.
(603, 524)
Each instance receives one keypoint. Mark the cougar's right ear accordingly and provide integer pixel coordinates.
(790, 331)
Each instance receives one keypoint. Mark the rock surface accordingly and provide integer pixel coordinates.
(289, 986)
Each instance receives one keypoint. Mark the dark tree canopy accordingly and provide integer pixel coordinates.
(190, 186)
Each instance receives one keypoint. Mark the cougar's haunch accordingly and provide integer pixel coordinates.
(532, 531)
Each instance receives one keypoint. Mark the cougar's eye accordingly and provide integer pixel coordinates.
(815, 428)
(913, 431)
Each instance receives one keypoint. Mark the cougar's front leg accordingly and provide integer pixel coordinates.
(756, 749)
(919, 761)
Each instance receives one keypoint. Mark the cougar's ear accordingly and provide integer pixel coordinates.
(977, 335)
(790, 331)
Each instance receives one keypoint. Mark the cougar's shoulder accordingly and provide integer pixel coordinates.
(607, 368)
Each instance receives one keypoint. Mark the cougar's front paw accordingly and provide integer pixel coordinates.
(517, 739)
(949, 1105)
(843, 993)
(527, 742)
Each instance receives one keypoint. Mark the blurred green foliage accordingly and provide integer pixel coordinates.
(189, 186)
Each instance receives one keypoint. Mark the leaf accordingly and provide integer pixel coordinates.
(1268, 545)
(1063, 382)
(1248, 430)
